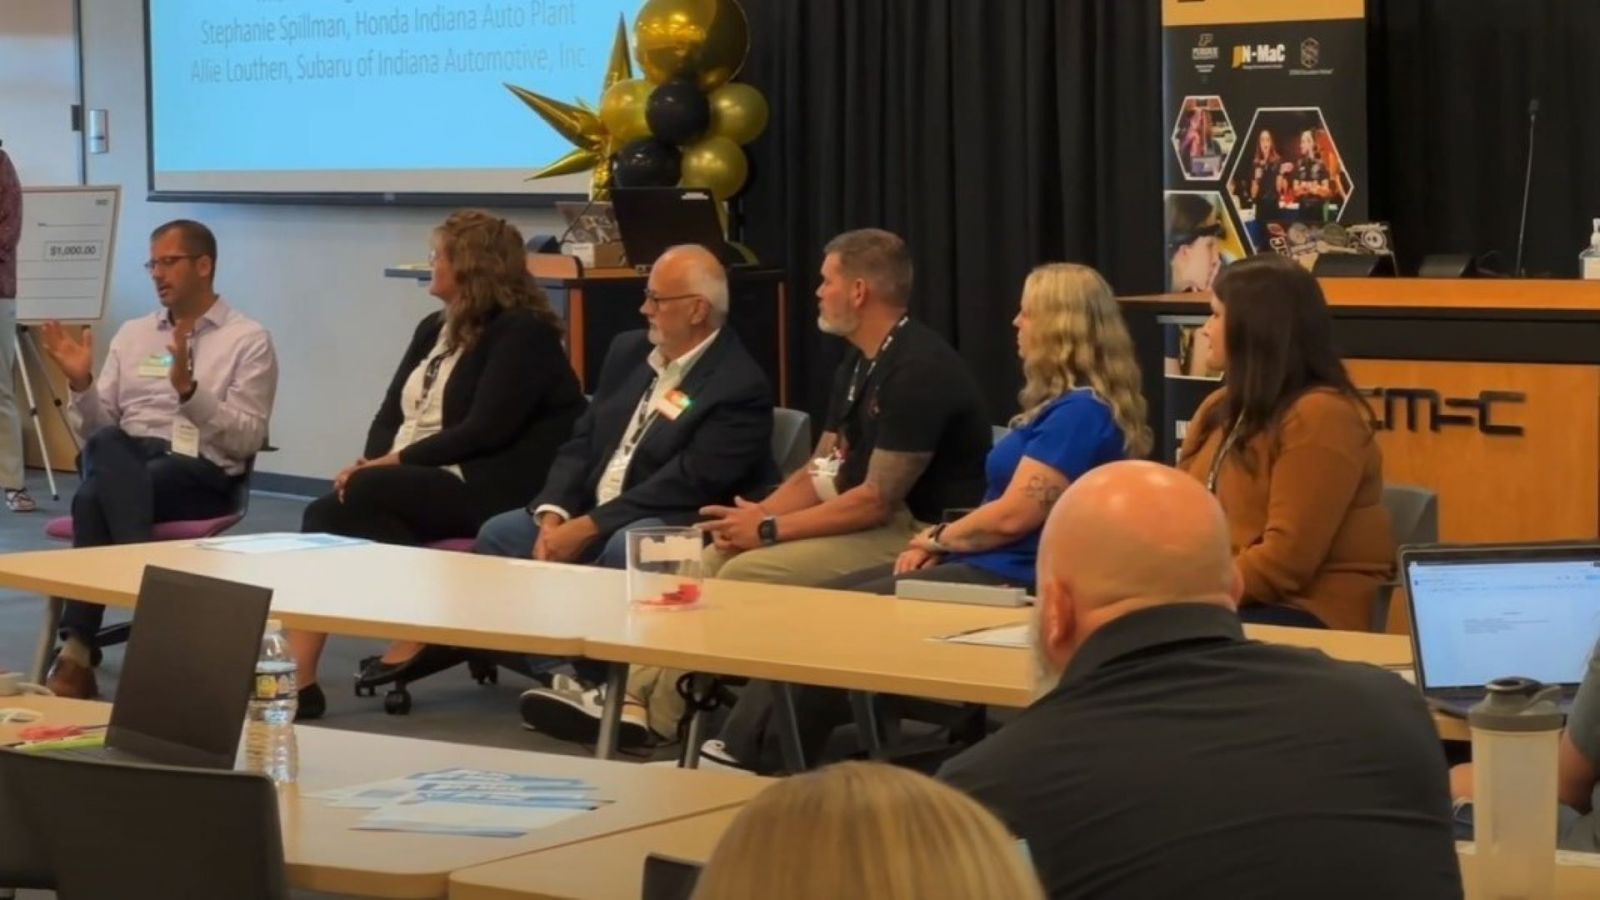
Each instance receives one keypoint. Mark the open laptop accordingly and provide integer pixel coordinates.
(1492, 611)
(187, 673)
(653, 219)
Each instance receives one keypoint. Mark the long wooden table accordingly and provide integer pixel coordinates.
(324, 853)
(602, 869)
(778, 633)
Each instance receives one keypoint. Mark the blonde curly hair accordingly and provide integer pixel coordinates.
(1079, 340)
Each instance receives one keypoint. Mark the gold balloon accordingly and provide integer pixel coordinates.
(716, 164)
(738, 112)
(707, 39)
(622, 110)
(596, 144)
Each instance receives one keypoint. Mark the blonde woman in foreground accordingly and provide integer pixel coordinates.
(866, 830)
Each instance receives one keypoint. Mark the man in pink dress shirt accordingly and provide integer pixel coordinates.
(179, 409)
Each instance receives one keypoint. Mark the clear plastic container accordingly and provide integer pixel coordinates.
(1515, 731)
(664, 568)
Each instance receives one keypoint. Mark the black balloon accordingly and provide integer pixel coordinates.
(647, 162)
(678, 112)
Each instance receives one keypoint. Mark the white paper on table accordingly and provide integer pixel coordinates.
(278, 542)
(378, 794)
(1016, 636)
(484, 813)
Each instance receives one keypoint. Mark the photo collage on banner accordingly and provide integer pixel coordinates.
(1266, 140)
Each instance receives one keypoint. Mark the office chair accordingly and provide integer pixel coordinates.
(1413, 519)
(60, 528)
(91, 829)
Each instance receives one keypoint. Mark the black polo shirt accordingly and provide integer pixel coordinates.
(920, 397)
(1177, 759)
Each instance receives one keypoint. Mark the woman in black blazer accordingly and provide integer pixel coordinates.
(471, 422)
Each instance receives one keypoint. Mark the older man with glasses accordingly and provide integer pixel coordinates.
(178, 411)
(681, 418)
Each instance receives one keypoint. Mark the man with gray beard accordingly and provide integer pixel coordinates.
(1169, 756)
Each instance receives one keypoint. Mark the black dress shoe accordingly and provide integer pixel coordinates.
(313, 703)
(430, 659)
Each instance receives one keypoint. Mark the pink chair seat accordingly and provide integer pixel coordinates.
(454, 545)
(185, 530)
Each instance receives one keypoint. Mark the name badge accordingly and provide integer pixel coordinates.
(673, 404)
(185, 437)
(156, 365)
(825, 477)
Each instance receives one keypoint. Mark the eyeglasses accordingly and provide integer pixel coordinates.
(651, 298)
(166, 262)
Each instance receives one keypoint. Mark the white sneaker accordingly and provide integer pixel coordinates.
(714, 755)
(574, 715)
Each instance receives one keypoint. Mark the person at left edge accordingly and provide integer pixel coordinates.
(16, 490)
(180, 408)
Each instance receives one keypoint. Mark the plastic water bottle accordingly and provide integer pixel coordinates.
(269, 726)
(1589, 260)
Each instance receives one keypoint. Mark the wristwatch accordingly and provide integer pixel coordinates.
(935, 534)
(767, 531)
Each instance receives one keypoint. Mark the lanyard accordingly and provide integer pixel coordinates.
(429, 376)
(857, 386)
(642, 420)
(1222, 453)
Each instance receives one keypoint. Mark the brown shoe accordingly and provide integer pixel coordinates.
(68, 678)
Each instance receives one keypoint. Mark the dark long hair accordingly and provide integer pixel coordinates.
(1278, 337)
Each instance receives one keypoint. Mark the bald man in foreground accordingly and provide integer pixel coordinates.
(1169, 756)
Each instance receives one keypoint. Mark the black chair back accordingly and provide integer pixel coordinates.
(91, 829)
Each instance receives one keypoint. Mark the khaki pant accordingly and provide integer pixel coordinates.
(808, 563)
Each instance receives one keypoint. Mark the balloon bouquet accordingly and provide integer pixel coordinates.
(683, 123)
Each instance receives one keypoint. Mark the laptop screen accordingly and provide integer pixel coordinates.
(1476, 620)
(186, 677)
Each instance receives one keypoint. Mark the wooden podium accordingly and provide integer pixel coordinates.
(1486, 391)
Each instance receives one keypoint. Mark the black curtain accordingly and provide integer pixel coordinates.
(993, 136)
(998, 134)
(1450, 85)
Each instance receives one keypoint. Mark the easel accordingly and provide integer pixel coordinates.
(24, 338)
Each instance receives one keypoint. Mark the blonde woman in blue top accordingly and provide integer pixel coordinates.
(1081, 407)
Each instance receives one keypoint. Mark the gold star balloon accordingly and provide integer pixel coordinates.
(594, 142)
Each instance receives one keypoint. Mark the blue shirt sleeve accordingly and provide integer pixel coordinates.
(1074, 435)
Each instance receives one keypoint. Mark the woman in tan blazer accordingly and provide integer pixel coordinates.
(1287, 447)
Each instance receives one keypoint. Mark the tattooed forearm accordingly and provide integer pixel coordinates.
(972, 540)
(1043, 492)
(894, 473)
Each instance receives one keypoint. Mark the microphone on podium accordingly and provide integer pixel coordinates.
(1527, 188)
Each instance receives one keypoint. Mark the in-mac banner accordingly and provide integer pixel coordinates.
(1265, 139)
(1265, 130)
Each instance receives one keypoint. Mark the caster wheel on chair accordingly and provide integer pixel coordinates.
(397, 702)
(483, 671)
